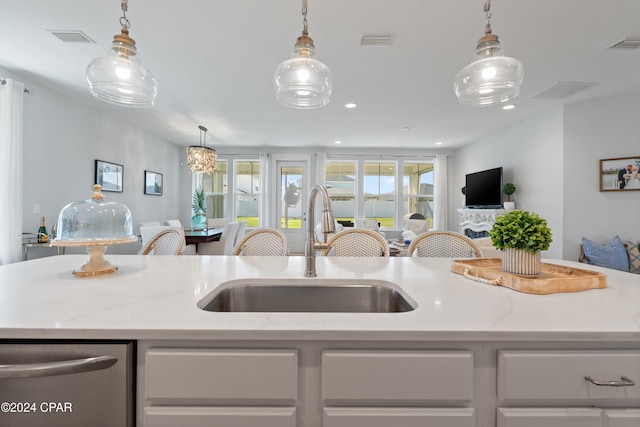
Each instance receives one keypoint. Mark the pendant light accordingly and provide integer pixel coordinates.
(119, 78)
(200, 158)
(492, 77)
(302, 81)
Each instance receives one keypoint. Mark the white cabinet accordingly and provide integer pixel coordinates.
(193, 387)
(376, 387)
(566, 388)
(174, 416)
(398, 417)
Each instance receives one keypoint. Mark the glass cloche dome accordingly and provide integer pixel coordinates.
(94, 220)
(95, 224)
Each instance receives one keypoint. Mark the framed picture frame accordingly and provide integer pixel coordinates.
(153, 183)
(109, 175)
(620, 174)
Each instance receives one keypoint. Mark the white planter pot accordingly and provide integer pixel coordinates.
(509, 206)
(521, 262)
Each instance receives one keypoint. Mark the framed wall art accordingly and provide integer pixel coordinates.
(620, 174)
(109, 175)
(152, 183)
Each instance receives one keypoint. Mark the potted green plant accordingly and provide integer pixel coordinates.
(521, 236)
(508, 189)
(199, 206)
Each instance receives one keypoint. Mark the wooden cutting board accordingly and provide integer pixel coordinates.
(552, 279)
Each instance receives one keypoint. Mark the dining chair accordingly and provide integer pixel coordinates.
(262, 242)
(188, 249)
(444, 244)
(169, 241)
(225, 245)
(242, 228)
(358, 242)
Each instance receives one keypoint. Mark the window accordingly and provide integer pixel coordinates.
(342, 188)
(380, 192)
(216, 188)
(417, 189)
(247, 184)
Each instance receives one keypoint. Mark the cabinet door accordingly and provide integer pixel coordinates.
(397, 376)
(398, 417)
(174, 375)
(549, 417)
(189, 416)
(560, 375)
(621, 418)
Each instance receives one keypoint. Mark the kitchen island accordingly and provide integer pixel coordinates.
(469, 354)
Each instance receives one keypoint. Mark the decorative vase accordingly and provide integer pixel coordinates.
(521, 262)
(509, 206)
(199, 221)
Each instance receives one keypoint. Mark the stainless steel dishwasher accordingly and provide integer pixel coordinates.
(66, 384)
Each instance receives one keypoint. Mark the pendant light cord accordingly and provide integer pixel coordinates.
(124, 22)
(305, 25)
(487, 11)
(203, 141)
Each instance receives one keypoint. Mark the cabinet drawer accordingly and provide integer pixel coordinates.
(549, 417)
(397, 376)
(398, 417)
(560, 375)
(621, 418)
(221, 374)
(189, 416)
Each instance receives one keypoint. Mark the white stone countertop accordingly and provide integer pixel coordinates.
(155, 297)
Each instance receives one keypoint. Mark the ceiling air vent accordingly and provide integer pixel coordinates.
(376, 40)
(561, 90)
(627, 43)
(72, 36)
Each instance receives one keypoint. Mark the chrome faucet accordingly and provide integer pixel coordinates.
(328, 226)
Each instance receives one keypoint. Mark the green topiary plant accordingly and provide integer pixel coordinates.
(463, 190)
(508, 189)
(521, 230)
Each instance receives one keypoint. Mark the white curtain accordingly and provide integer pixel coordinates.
(321, 169)
(440, 193)
(265, 202)
(11, 110)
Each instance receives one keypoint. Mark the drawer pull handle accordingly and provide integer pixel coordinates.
(624, 382)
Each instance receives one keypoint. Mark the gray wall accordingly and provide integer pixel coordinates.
(63, 137)
(554, 161)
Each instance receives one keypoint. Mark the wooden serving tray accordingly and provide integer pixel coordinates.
(553, 278)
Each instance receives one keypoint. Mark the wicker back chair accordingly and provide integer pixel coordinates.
(167, 242)
(358, 242)
(444, 244)
(262, 242)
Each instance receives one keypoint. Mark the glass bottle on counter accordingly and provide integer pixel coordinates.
(43, 236)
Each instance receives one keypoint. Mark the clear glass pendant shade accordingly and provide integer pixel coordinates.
(302, 81)
(491, 78)
(119, 78)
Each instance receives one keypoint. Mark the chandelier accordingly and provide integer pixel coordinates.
(302, 81)
(119, 78)
(200, 158)
(492, 77)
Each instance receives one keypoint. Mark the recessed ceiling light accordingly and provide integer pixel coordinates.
(405, 128)
(439, 142)
(350, 105)
(337, 142)
(508, 107)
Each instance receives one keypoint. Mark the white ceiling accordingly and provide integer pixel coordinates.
(214, 60)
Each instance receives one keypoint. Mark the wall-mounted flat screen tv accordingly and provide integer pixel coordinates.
(484, 189)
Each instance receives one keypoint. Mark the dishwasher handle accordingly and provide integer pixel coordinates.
(65, 367)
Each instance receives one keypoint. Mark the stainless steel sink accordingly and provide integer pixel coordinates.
(307, 296)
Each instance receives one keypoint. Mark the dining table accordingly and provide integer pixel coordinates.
(202, 236)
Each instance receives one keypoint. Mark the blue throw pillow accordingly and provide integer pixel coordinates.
(612, 255)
